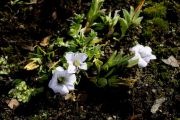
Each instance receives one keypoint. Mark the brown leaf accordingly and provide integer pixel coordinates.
(13, 103)
(45, 41)
(171, 61)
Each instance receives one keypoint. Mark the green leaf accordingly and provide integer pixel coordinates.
(98, 64)
(127, 16)
(110, 61)
(116, 60)
(112, 81)
(131, 11)
(137, 21)
(60, 42)
(124, 26)
(98, 26)
(74, 30)
(136, 15)
(94, 11)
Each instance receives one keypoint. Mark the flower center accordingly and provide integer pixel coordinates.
(76, 63)
(143, 54)
(61, 80)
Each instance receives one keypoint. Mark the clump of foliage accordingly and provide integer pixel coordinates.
(5, 67)
(81, 55)
(130, 18)
(22, 92)
(156, 10)
(156, 25)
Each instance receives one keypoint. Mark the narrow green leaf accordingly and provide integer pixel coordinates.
(98, 64)
(138, 21)
(126, 16)
(124, 26)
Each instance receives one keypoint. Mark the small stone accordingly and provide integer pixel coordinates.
(154, 90)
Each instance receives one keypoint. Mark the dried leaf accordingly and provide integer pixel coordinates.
(31, 66)
(13, 103)
(70, 96)
(45, 41)
(28, 47)
(157, 104)
(171, 61)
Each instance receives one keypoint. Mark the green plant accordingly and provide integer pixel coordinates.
(111, 21)
(94, 12)
(22, 92)
(5, 67)
(129, 18)
(81, 54)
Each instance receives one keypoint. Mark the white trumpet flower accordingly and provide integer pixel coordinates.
(143, 54)
(62, 81)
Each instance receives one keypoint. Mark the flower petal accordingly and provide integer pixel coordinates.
(70, 86)
(53, 81)
(62, 89)
(69, 56)
(81, 57)
(71, 68)
(153, 57)
(71, 79)
(146, 51)
(51, 84)
(59, 68)
(147, 59)
(136, 48)
(142, 63)
(83, 66)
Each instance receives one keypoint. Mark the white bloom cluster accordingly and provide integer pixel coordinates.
(143, 54)
(63, 80)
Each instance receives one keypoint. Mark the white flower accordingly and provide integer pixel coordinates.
(143, 54)
(62, 82)
(76, 61)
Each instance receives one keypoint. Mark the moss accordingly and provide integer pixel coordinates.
(147, 32)
(156, 25)
(157, 10)
(43, 115)
(160, 24)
